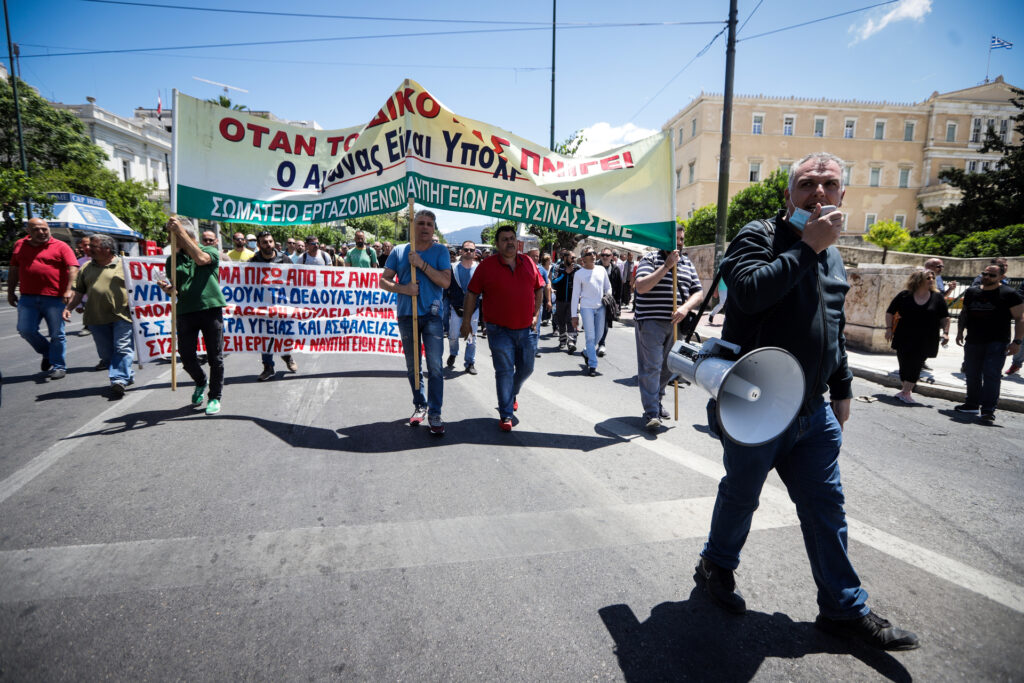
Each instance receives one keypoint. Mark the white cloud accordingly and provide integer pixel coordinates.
(905, 9)
(603, 136)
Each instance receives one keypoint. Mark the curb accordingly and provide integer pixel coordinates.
(1010, 403)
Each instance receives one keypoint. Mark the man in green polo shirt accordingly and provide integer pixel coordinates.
(200, 310)
(361, 256)
(101, 283)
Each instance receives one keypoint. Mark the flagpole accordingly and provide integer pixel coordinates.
(415, 317)
(989, 62)
(173, 196)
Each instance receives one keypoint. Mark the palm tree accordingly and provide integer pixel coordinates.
(225, 101)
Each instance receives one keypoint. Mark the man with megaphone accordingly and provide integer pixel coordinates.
(787, 289)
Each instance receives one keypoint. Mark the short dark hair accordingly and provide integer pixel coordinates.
(264, 233)
(507, 227)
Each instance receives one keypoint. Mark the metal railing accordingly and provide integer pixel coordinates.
(954, 300)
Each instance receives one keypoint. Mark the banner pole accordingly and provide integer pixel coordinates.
(675, 332)
(174, 312)
(415, 316)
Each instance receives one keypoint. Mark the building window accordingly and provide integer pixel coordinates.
(680, 143)
(904, 177)
(846, 175)
(758, 126)
(693, 128)
(848, 128)
(908, 131)
(755, 171)
(869, 220)
(900, 219)
(126, 169)
(787, 125)
(819, 126)
(950, 131)
(972, 166)
(876, 177)
(879, 130)
(1004, 130)
(984, 167)
(692, 164)
(786, 167)
(679, 178)
(976, 130)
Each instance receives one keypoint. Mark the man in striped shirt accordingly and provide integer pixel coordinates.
(654, 317)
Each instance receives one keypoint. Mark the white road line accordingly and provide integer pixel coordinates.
(992, 587)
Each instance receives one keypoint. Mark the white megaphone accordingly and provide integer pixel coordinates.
(758, 395)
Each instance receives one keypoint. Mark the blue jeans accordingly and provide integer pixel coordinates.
(116, 346)
(454, 325)
(593, 330)
(34, 308)
(806, 456)
(983, 365)
(268, 359)
(512, 352)
(431, 333)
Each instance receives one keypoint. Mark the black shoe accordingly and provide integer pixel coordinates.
(471, 369)
(600, 350)
(102, 365)
(988, 418)
(720, 585)
(591, 371)
(451, 361)
(966, 408)
(871, 629)
(45, 364)
(561, 346)
(118, 389)
(571, 349)
(57, 374)
(268, 373)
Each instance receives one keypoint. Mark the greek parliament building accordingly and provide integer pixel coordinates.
(894, 152)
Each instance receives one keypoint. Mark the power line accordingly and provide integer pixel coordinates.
(754, 11)
(815, 21)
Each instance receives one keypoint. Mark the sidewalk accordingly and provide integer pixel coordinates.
(944, 380)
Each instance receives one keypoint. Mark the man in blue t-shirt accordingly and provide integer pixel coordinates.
(433, 277)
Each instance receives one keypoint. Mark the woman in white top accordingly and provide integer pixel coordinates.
(589, 285)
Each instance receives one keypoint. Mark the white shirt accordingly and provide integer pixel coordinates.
(588, 286)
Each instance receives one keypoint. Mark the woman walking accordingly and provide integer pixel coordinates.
(922, 320)
(589, 285)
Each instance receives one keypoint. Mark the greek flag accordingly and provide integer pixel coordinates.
(998, 43)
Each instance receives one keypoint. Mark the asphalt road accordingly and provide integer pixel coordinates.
(307, 533)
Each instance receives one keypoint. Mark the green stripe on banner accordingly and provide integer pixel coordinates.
(534, 210)
(226, 208)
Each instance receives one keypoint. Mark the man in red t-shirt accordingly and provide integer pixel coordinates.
(43, 269)
(513, 287)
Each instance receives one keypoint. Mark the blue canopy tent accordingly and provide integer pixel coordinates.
(76, 215)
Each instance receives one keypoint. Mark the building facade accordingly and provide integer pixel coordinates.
(894, 152)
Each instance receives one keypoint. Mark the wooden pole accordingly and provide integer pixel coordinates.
(675, 332)
(415, 298)
(174, 312)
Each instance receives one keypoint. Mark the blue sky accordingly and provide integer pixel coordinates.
(618, 82)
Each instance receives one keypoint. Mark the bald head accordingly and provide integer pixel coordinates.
(38, 231)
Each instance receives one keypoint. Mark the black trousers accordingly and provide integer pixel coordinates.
(209, 322)
(911, 361)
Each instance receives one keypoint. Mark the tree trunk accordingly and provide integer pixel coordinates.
(885, 250)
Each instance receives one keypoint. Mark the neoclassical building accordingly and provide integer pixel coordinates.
(894, 151)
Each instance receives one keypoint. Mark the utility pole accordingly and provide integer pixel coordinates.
(554, 13)
(17, 107)
(724, 153)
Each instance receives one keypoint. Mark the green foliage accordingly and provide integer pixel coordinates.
(382, 227)
(760, 200)
(225, 101)
(992, 199)
(938, 245)
(1008, 241)
(15, 187)
(700, 227)
(550, 238)
(888, 235)
(53, 137)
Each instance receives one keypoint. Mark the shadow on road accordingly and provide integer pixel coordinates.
(694, 640)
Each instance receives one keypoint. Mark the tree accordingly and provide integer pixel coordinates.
(991, 199)
(700, 227)
(760, 200)
(53, 137)
(225, 101)
(887, 235)
(15, 187)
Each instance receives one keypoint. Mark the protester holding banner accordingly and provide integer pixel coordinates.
(513, 288)
(432, 279)
(267, 253)
(361, 256)
(462, 273)
(100, 285)
(200, 309)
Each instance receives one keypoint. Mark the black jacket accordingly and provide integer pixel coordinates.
(279, 258)
(783, 294)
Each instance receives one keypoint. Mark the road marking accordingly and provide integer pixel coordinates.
(87, 570)
(992, 587)
(53, 454)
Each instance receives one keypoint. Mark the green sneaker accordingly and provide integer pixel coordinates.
(197, 396)
(212, 406)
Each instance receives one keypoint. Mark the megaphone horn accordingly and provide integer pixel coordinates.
(758, 396)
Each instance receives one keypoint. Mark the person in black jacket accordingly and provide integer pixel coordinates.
(266, 252)
(561, 285)
(787, 288)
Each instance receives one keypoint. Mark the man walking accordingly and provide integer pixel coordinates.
(267, 253)
(462, 273)
(432, 279)
(513, 287)
(42, 269)
(546, 296)
(561, 284)
(654, 319)
(100, 284)
(200, 310)
(987, 313)
(313, 255)
(361, 256)
(787, 288)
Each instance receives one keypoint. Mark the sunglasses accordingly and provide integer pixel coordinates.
(465, 249)
(606, 255)
(209, 240)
